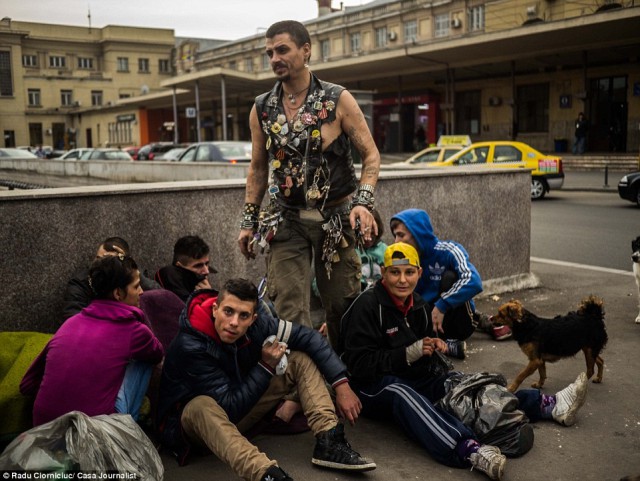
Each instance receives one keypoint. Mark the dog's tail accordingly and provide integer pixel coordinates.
(592, 308)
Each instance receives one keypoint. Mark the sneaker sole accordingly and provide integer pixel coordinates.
(345, 467)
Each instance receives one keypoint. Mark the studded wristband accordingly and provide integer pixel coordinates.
(250, 214)
(364, 198)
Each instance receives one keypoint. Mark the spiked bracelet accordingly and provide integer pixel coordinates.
(250, 216)
(364, 197)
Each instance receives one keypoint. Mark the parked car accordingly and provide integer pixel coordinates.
(171, 155)
(446, 147)
(629, 187)
(17, 153)
(106, 154)
(75, 154)
(132, 151)
(149, 151)
(546, 170)
(218, 151)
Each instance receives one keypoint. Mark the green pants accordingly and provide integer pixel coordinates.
(296, 247)
(206, 423)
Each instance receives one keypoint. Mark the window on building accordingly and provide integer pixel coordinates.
(29, 60)
(66, 98)
(9, 138)
(467, 112)
(123, 64)
(96, 97)
(124, 96)
(232, 64)
(143, 65)
(248, 64)
(381, 37)
(533, 108)
(57, 61)
(120, 132)
(6, 79)
(33, 97)
(85, 62)
(325, 49)
(442, 25)
(163, 65)
(410, 31)
(356, 42)
(476, 18)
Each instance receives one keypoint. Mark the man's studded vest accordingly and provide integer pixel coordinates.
(302, 176)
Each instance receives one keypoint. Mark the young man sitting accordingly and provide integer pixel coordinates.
(226, 370)
(389, 351)
(189, 270)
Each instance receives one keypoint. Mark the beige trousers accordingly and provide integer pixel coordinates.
(206, 423)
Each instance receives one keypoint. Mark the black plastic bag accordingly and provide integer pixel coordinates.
(483, 403)
(77, 442)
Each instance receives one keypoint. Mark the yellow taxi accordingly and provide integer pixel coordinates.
(447, 146)
(546, 170)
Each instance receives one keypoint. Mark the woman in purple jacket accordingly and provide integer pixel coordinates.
(101, 359)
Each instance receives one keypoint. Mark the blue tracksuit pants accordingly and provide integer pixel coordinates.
(410, 405)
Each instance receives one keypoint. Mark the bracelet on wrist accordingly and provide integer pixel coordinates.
(364, 198)
(250, 213)
(366, 188)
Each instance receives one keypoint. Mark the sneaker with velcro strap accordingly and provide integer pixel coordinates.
(333, 451)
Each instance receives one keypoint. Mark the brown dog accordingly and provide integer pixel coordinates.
(549, 340)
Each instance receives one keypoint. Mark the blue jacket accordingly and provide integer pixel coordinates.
(436, 256)
(198, 364)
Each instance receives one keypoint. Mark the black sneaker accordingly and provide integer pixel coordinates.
(333, 451)
(274, 473)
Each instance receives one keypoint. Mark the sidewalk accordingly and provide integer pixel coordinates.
(603, 445)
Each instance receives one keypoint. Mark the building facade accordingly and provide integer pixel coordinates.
(57, 82)
(490, 69)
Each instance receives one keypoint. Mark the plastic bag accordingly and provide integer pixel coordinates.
(482, 402)
(77, 442)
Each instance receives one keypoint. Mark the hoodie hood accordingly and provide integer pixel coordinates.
(419, 224)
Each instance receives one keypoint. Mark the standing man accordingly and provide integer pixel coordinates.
(302, 131)
(582, 126)
(227, 369)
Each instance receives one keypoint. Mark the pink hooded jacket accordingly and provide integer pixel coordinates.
(83, 365)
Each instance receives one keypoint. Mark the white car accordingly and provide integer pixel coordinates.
(75, 154)
(17, 154)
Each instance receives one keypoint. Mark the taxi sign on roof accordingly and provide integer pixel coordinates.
(454, 140)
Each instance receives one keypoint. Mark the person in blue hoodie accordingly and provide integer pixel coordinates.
(449, 280)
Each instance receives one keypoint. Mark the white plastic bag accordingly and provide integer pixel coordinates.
(77, 442)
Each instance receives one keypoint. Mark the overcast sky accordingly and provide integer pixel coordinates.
(222, 19)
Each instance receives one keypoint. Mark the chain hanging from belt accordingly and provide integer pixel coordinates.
(333, 239)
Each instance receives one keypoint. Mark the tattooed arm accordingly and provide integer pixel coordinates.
(257, 177)
(355, 126)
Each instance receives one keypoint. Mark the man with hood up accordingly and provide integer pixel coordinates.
(449, 281)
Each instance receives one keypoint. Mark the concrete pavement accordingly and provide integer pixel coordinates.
(603, 445)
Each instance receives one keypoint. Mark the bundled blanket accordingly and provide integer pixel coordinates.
(19, 349)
